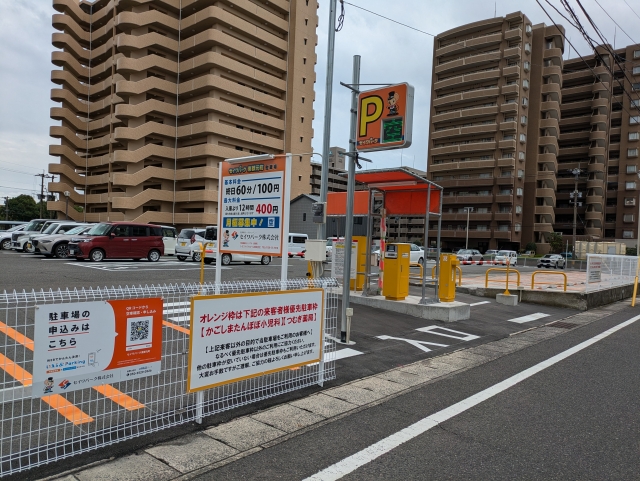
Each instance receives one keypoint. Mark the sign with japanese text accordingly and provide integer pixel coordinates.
(241, 336)
(385, 118)
(594, 268)
(251, 209)
(337, 258)
(85, 344)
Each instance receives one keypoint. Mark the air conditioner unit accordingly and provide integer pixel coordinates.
(629, 202)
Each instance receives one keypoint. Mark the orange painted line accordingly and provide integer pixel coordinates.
(177, 328)
(66, 409)
(119, 397)
(13, 334)
(15, 370)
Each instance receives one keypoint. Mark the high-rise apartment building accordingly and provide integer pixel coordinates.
(154, 94)
(510, 121)
(337, 166)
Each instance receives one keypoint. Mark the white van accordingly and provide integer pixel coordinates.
(503, 256)
(296, 245)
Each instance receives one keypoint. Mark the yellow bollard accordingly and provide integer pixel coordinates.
(506, 291)
(203, 252)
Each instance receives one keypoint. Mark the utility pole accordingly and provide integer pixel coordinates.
(6, 208)
(574, 196)
(468, 209)
(42, 177)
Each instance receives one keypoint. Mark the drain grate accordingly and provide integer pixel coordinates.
(562, 325)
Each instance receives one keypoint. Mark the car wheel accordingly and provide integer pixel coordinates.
(421, 261)
(481, 261)
(266, 260)
(6, 244)
(96, 255)
(556, 265)
(62, 250)
(182, 258)
(29, 250)
(154, 255)
(208, 260)
(197, 256)
(226, 259)
(290, 256)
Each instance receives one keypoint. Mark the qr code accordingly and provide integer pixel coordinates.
(140, 331)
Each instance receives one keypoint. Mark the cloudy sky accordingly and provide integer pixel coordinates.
(390, 53)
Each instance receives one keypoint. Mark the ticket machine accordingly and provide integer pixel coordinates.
(447, 277)
(396, 271)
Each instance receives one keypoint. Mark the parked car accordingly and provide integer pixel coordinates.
(296, 245)
(169, 239)
(210, 243)
(502, 257)
(56, 228)
(467, 256)
(567, 255)
(185, 239)
(119, 240)
(5, 236)
(329, 249)
(208, 237)
(552, 260)
(491, 252)
(416, 254)
(20, 238)
(58, 244)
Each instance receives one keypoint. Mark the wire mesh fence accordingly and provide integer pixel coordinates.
(35, 431)
(605, 270)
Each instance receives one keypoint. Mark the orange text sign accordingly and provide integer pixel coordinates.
(385, 118)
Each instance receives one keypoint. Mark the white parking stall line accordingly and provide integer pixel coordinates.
(528, 318)
(374, 451)
(480, 303)
(345, 353)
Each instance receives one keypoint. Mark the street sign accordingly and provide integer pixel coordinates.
(385, 118)
(319, 212)
(251, 210)
(85, 344)
(242, 336)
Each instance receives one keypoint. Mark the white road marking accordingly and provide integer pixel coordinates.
(463, 336)
(347, 352)
(353, 462)
(419, 344)
(480, 303)
(529, 318)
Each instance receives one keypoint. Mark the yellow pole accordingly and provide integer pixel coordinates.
(635, 285)
(203, 252)
(506, 291)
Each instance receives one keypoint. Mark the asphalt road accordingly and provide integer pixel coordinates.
(573, 419)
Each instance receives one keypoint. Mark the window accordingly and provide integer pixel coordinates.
(550, 44)
(635, 104)
(518, 209)
(636, 54)
(304, 60)
(509, 137)
(505, 192)
(304, 80)
(635, 86)
(630, 185)
(482, 210)
(528, 29)
(517, 227)
(627, 218)
(485, 175)
(481, 228)
(629, 201)
(503, 228)
(527, 47)
(299, 178)
(304, 217)
(634, 135)
(526, 65)
(632, 152)
(525, 101)
(521, 155)
(520, 173)
(523, 120)
(632, 169)
(627, 234)
(302, 99)
(525, 84)
(523, 138)
(306, 21)
(634, 120)
(519, 191)
(305, 41)
(636, 70)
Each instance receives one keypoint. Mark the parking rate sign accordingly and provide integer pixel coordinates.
(252, 207)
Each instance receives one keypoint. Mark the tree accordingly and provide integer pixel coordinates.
(22, 208)
(531, 246)
(555, 242)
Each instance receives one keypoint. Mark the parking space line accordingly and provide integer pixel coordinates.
(480, 303)
(118, 397)
(528, 318)
(177, 328)
(15, 335)
(15, 371)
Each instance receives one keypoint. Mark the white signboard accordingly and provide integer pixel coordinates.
(251, 216)
(337, 259)
(85, 344)
(240, 336)
(594, 268)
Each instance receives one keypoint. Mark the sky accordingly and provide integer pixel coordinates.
(390, 53)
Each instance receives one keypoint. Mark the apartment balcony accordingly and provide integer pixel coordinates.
(594, 199)
(472, 164)
(466, 96)
(462, 234)
(508, 180)
(513, 52)
(593, 216)
(501, 234)
(595, 167)
(473, 216)
(551, 106)
(598, 135)
(476, 181)
(502, 216)
(547, 193)
(466, 114)
(552, 89)
(549, 142)
(470, 44)
(575, 121)
(510, 89)
(473, 60)
(548, 160)
(454, 132)
(552, 53)
(467, 79)
(513, 34)
(596, 183)
(597, 152)
(507, 162)
(574, 136)
(507, 145)
(602, 88)
(581, 150)
(593, 231)
(600, 103)
(467, 199)
(511, 71)
(504, 198)
(543, 227)
(600, 119)
(546, 175)
(553, 71)
(509, 108)
(551, 124)
(547, 210)
(472, 147)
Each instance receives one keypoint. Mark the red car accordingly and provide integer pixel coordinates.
(119, 240)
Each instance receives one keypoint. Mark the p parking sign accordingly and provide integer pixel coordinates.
(385, 118)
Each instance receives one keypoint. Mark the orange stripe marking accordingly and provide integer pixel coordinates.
(177, 328)
(119, 397)
(18, 373)
(66, 409)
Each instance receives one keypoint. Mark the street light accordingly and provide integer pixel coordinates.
(468, 209)
(66, 209)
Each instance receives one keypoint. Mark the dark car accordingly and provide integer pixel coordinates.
(119, 240)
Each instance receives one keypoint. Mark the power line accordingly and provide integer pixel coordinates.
(17, 188)
(16, 171)
(21, 165)
(391, 20)
(615, 21)
(625, 1)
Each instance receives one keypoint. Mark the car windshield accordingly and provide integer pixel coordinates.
(99, 229)
(76, 230)
(548, 256)
(15, 228)
(34, 225)
(503, 253)
(51, 229)
(465, 251)
(186, 233)
(329, 242)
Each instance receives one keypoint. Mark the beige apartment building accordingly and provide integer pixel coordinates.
(154, 94)
(337, 166)
(510, 120)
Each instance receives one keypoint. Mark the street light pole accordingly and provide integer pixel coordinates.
(575, 194)
(66, 208)
(468, 209)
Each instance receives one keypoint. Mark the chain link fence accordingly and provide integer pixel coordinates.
(35, 431)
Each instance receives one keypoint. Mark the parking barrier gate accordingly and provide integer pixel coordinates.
(458, 270)
(533, 276)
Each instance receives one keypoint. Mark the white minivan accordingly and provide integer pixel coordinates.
(296, 244)
(503, 256)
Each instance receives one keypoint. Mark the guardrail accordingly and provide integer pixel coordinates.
(416, 264)
(458, 270)
(505, 280)
(533, 276)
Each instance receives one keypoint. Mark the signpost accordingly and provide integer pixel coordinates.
(337, 258)
(241, 336)
(85, 344)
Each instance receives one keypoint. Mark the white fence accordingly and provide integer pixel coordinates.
(604, 271)
(42, 430)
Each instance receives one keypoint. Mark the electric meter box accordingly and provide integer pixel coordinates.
(316, 250)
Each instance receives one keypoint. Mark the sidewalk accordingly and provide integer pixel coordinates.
(191, 455)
